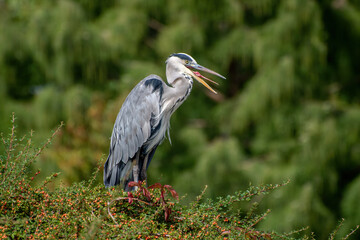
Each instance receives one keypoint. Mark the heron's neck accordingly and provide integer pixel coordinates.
(179, 88)
(176, 94)
(180, 84)
(173, 72)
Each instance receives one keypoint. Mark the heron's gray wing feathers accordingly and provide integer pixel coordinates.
(133, 124)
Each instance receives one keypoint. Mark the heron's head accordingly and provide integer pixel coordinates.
(184, 63)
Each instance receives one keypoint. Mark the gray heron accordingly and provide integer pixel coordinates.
(144, 119)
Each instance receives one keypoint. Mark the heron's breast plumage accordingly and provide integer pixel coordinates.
(168, 107)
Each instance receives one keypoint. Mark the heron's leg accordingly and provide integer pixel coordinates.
(143, 174)
(136, 169)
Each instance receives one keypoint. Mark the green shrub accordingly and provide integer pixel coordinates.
(87, 211)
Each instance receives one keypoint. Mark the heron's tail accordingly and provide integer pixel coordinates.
(119, 174)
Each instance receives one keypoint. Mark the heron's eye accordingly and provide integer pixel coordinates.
(186, 61)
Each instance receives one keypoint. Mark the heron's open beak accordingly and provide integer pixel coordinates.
(199, 77)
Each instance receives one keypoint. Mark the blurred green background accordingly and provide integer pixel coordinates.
(289, 108)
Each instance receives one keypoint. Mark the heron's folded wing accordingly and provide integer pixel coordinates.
(133, 124)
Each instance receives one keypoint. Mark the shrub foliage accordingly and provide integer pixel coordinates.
(87, 210)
